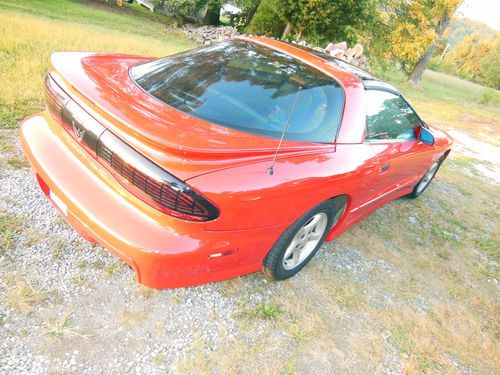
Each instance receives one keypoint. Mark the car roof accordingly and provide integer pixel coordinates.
(369, 81)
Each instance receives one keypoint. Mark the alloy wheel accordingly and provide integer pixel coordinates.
(305, 241)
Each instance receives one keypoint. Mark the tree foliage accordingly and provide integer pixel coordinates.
(459, 28)
(317, 21)
(475, 59)
(412, 27)
(266, 21)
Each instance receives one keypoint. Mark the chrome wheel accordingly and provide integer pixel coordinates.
(427, 177)
(305, 241)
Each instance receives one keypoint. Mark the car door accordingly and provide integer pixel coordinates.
(390, 132)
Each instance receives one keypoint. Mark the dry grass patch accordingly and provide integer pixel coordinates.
(448, 339)
(130, 318)
(17, 162)
(6, 143)
(10, 226)
(22, 294)
(249, 355)
(145, 292)
(33, 237)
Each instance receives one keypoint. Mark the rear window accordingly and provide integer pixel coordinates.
(248, 87)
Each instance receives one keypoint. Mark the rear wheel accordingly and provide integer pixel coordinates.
(300, 242)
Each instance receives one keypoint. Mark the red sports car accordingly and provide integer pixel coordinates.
(223, 160)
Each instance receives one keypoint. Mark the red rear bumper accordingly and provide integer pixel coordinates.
(165, 252)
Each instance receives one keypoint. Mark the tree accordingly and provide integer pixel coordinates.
(213, 12)
(266, 21)
(318, 21)
(248, 9)
(412, 30)
(490, 65)
(444, 10)
(476, 59)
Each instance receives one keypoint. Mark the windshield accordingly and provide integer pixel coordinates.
(248, 87)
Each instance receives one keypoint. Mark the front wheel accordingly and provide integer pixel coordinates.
(299, 243)
(426, 179)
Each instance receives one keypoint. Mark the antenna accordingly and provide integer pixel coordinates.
(270, 170)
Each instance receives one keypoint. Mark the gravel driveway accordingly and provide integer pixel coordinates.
(113, 324)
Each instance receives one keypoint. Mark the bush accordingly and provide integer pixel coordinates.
(266, 21)
(489, 95)
(186, 9)
(490, 66)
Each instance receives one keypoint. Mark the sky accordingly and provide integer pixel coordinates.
(486, 11)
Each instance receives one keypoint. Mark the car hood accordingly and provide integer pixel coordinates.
(184, 145)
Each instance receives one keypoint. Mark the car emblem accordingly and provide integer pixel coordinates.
(78, 132)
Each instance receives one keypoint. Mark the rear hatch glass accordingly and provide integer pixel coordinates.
(247, 87)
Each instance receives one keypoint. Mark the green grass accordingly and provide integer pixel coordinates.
(33, 29)
(130, 19)
(262, 311)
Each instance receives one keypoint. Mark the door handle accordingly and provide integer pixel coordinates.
(384, 167)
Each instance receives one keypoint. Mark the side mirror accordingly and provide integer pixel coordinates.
(426, 136)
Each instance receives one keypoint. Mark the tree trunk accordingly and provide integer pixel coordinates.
(213, 13)
(251, 13)
(288, 30)
(418, 70)
(444, 53)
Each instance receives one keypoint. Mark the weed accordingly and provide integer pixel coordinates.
(158, 358)
(454, 293)
(262, 311)
(265, 311)
(299, 334)
(111, 268)
(80, 280)
(60, 327)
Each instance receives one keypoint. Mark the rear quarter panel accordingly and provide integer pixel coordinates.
(248, 197)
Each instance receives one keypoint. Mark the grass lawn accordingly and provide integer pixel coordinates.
(31, 30)
(451, 102)
(416, 281)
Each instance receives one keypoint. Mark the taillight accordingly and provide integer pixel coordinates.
(78, 123)
(151, 183)
(55, 97)
(136, 173)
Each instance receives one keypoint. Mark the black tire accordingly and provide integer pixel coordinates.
(418, 190)
(273, 266)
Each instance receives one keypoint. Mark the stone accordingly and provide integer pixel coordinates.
(330, 46)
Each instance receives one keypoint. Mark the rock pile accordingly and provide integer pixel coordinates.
(352, 55)
(206, 35)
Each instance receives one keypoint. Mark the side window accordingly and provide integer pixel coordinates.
(389, 117)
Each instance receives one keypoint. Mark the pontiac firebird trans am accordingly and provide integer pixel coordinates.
(223, 160)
